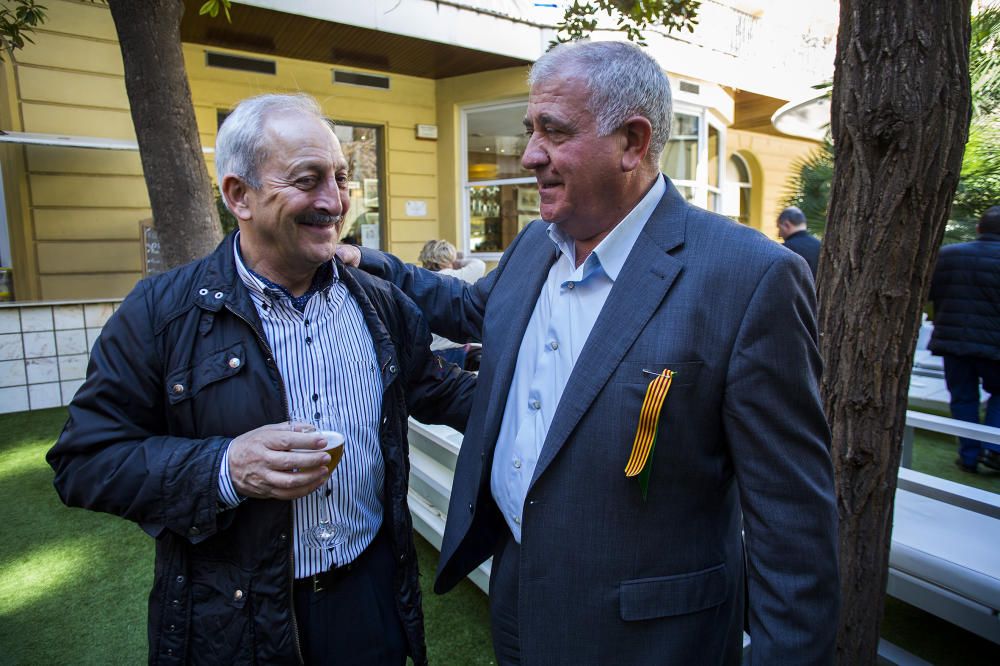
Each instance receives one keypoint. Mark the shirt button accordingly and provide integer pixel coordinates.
(234, 363)
(315, 397)
(309, 341)
(554, 345)
(306, 322)
(534, 404)
(517, 464)
(517, 521)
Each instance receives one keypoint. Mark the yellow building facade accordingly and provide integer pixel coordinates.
(73, 214)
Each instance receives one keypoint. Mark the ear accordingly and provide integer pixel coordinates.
(638, 133)
(235, 192)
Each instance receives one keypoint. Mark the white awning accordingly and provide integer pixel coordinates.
(808, 119)
(94, 142)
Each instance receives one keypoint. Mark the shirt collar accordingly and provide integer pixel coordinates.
(265, 289)
(614, 248)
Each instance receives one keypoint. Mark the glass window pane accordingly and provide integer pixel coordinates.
(495, 139)
(714, 201)
(713, 157)
(736, 171)
(745, 205)
(680, 159)
(362, 149)
(498, 212)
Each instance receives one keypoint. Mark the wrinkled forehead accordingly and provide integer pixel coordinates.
(290, 135)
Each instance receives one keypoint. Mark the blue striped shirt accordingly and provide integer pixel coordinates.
(327, 360)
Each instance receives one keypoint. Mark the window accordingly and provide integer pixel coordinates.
(693, 157)
(498, 196)
(738, 188)
(362, 146)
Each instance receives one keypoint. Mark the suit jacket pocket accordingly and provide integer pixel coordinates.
(649, 598)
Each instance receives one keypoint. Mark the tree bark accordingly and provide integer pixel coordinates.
(180, 192)
(900, 117)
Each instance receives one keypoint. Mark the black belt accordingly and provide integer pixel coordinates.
(327, 579)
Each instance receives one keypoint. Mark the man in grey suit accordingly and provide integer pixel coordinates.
(627, 317)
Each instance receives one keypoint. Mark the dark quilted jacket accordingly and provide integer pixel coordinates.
(222, 586)
(966, 296)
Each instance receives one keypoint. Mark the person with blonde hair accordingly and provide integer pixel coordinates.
(441, 256)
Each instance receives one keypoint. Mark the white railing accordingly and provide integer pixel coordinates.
(921, 421)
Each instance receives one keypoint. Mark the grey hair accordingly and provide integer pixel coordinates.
(793, 215)
(622, 81)
(241, 144)
(437, 254)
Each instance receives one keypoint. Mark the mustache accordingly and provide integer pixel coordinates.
(319, 219)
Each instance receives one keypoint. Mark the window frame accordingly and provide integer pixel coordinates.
(467, 184)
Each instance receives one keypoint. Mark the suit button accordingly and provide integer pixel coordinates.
(471, 508)
(177, 389)
(234, 363)
(180, 579)
(194, 531)
(237, 595)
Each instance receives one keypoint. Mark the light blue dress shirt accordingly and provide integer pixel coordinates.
(568, 305)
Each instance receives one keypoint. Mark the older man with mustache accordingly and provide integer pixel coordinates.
(185, 422)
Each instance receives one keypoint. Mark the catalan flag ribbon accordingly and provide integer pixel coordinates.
(639, 463)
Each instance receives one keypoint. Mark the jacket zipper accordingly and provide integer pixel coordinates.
(291, 539)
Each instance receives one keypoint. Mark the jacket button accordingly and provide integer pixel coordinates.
(180, 579)
(234, 362)
(170, 652)
(392, 369)
(402, 557)
(177, 389)
(202, 291)
(172, 627)
(194, 531)
(175, 602)
(237, 595)
(218, 295)
(471, 508)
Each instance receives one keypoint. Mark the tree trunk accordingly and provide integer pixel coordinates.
(180, 192)
(900, 117)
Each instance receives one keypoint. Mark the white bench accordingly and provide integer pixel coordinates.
(945, 554)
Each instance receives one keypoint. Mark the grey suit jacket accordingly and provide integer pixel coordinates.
(605, 577)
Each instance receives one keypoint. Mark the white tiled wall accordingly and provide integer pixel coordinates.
(44, 348)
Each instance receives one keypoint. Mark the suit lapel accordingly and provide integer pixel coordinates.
(513, 304)
(641, 286)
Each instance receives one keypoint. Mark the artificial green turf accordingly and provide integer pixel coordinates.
(73, 583)
(935, 453)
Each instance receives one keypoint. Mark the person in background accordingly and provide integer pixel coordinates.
(648, 394)
(441, 256)
(184, 423)
(792, 229)
(965, 291)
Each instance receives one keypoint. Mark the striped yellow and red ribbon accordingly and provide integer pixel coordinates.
(645, 435)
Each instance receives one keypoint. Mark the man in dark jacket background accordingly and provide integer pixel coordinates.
(965, 291)
(184, 424)
(792, 229)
